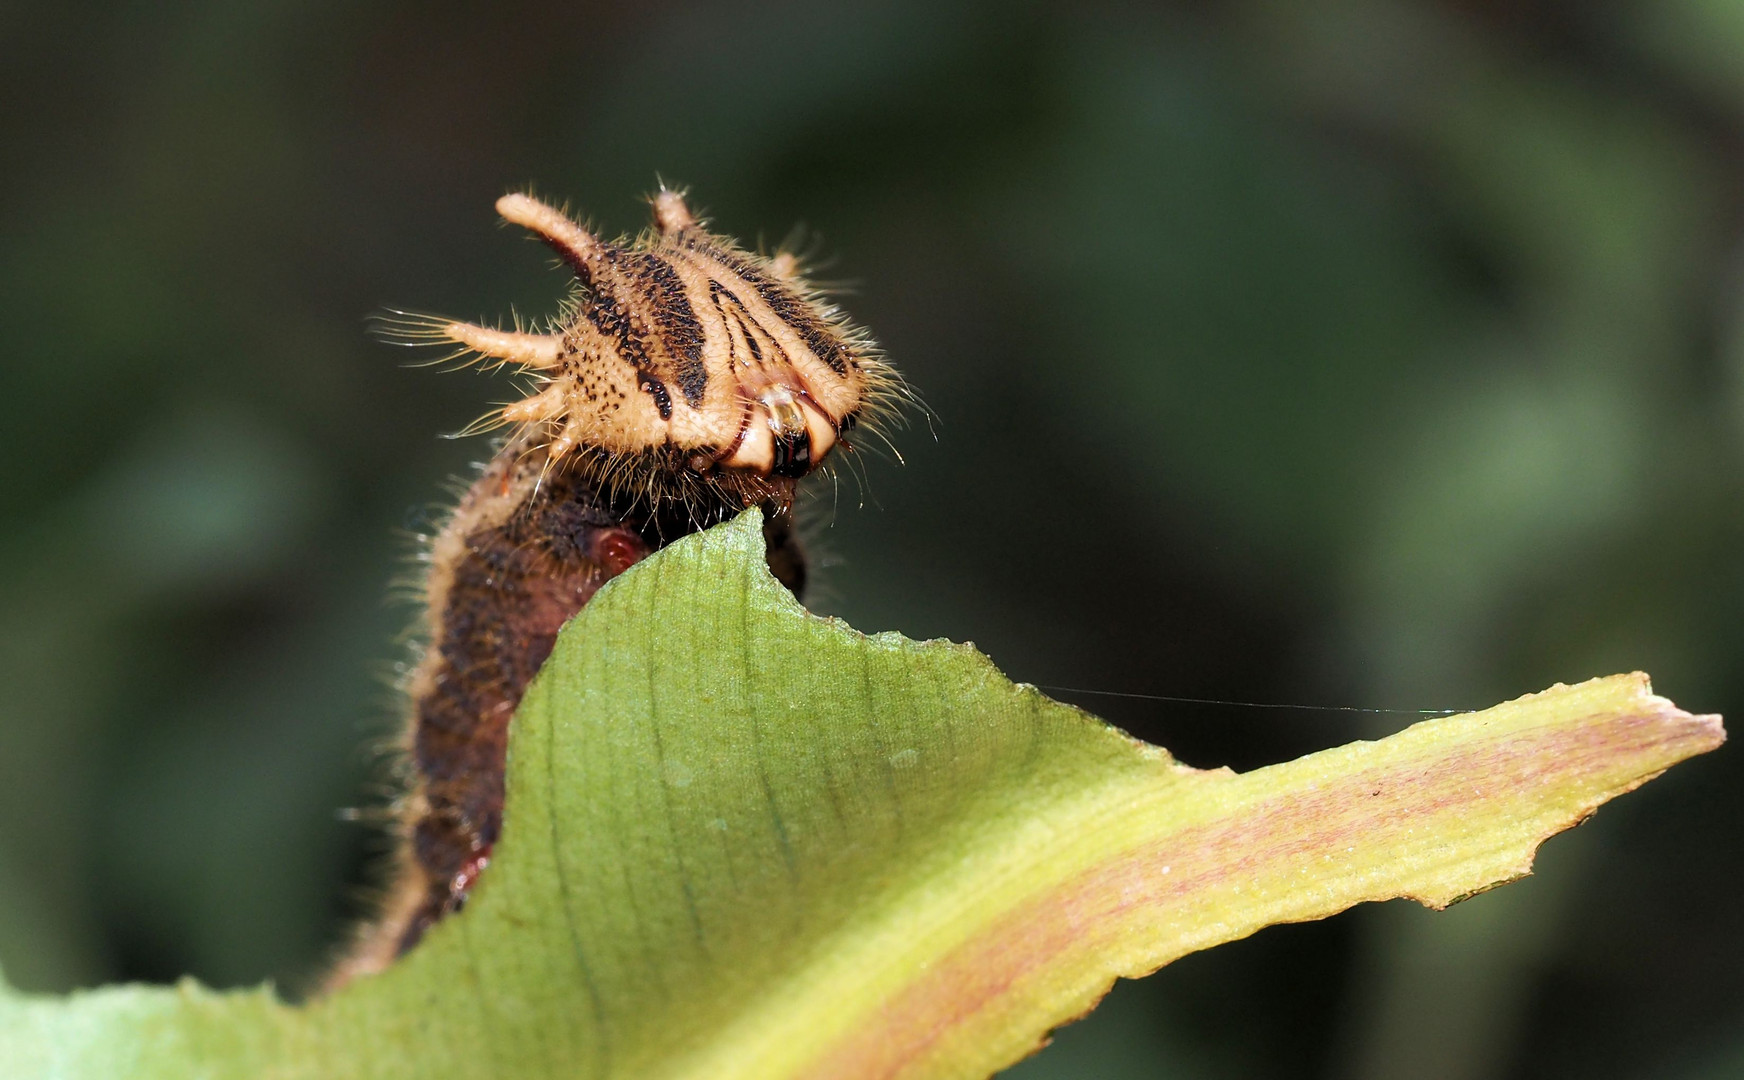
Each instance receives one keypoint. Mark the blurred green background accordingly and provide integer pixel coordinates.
(1389, 355)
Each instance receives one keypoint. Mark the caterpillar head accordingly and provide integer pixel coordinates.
(683, 360)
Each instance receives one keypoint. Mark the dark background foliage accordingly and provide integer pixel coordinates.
(1388, 355)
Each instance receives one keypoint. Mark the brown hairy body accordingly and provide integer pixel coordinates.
(687, 380)
(520, 555)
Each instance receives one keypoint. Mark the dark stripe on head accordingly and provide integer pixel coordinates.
(674, 321)
(603, 309)
(793, 311)
(575, 262)
(788, 307)
(722, 297)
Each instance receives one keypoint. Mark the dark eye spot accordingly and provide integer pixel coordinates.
(656, 390)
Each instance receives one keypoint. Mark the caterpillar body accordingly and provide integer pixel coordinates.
(685, 380)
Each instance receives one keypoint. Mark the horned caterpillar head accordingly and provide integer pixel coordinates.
(682, 360)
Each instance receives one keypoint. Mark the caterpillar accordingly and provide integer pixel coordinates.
(685, 379)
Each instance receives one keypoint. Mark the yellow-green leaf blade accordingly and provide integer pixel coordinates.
(742, 841)
(1438, 812)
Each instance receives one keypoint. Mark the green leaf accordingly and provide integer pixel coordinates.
(743, 841)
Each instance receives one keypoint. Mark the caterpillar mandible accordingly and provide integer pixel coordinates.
(685, 380)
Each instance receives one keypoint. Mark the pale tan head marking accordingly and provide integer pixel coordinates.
(682, 348)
